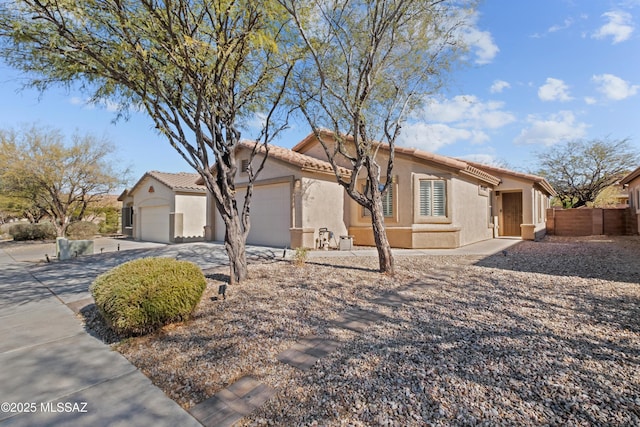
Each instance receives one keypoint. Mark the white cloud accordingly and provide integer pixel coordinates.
(485, 159)
(88, 104)
(619, 26)
(554, 90)
(551, 130)
(432, 137)
(499, 85)
(566, 24)
(589, 100)
(480, 42)
(468, 111)
(462, 118)
(613, 87)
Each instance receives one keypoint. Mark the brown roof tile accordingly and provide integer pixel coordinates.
(450, 162)
(529, 177)
(181, 181)
(292, 157)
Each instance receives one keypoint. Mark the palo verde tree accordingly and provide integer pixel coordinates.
(366, 65)
(579, 170)
(197, 68)
(54, 178)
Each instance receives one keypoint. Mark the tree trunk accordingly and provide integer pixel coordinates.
(235, 245)
(385, 257)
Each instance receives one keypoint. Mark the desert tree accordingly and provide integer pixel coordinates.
(366, 65)
(580, 169)
(199, 69)
(59, 179)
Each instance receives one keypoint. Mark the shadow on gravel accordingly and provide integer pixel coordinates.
(615, 260)
(96, 326)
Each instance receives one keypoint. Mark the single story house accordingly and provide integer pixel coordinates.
(632, 183)
(434, 201)
(165, 207)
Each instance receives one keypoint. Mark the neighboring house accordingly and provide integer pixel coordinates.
(632, 183)
(433, 202)
(165, 207)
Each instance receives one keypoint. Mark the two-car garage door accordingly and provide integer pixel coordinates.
(270, 215)
(154, 224)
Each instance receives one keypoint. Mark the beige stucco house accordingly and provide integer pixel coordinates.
(520, 202)
(294, 197)
(632, 183)
(434, 201)
(165, 207)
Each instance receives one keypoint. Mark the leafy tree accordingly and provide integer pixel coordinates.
(15, 208)
(579, 170)
(199, 69)
(367, 64)
(58, 179)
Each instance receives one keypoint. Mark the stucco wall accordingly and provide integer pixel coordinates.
(321, 203)
(194, 210)
(467, 218)
(159, 195)
(149, 193)
(634, 199)
(470, 211)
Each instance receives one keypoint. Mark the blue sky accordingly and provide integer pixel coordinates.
(540, 72)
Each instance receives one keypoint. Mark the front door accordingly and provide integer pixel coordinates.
(511, 214)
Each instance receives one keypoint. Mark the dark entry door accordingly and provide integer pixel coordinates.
(511, 214)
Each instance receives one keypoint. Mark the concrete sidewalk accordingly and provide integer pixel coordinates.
(483, 248)
(53, 373)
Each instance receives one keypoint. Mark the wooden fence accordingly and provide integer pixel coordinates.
(591, 221)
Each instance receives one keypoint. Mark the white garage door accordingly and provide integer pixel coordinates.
(270, 216)
(154, 224)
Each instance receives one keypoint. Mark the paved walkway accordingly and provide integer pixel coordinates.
(52, 372)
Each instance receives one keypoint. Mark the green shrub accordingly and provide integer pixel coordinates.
(24, 231)
(82, 230)
(300, 257)
(110, 223)
(141, 296)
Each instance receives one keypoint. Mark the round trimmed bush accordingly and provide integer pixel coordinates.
(141, 296)
(27, 231)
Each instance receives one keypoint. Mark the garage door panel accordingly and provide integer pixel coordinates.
(270, 216)
(154, 224)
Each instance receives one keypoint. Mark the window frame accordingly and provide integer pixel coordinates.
(418, 217)
(392, 192)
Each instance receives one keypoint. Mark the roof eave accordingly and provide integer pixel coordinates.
(633, 175)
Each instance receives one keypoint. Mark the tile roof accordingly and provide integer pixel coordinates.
(529, 177)
(181, 181)
(450, 162)
(463, 166)
(630, 177)
(293, 157)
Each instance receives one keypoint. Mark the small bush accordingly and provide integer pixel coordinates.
(141, 296)
(110, 223)
(300, 257)
(44, 231)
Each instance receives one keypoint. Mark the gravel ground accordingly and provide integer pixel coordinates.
(546, 334)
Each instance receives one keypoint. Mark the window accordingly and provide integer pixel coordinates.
(244, 165)
(127, 216)
(387, 203)
(433, 197)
